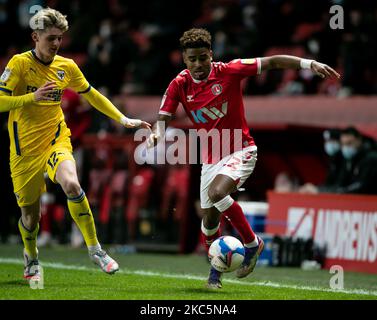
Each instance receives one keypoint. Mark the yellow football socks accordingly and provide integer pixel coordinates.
(82, 215)
(29, 239)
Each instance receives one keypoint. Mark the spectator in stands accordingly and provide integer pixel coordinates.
(333, 150)
(285, 182)
(127, 43)
(359, 174)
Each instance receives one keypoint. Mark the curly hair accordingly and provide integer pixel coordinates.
(195, 38)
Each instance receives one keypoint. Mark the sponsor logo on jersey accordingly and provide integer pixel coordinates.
(56, 94)
(6, 74)
(31, 89)
(217, 89)
(212, 112)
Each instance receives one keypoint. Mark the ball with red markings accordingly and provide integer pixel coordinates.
(226, 254)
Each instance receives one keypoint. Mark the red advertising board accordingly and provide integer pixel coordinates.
(345, 224)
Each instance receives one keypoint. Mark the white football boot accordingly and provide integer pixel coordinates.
(31, 268)
(104, 261)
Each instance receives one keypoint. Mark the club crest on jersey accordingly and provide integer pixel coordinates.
(217, 89)
(5, 76)
(60, 74)
(189, 98)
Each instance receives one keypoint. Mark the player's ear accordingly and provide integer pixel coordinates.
(211, 54)
(34, 36)
(184, 57)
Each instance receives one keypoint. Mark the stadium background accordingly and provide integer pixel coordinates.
(129, 50)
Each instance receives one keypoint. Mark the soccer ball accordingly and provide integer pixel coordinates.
(226, 254)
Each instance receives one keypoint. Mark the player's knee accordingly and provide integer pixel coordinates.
(216, 194)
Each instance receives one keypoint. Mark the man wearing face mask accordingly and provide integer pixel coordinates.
(332, 148)
(359, 174)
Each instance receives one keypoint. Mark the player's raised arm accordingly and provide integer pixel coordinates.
(292, 62)
(104, 105)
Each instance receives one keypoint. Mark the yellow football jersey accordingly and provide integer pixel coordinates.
(34, 127)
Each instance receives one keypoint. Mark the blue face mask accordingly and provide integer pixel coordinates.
(348, 152)
(332, 147)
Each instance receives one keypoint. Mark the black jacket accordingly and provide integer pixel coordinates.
(334, 171)
(359, 174)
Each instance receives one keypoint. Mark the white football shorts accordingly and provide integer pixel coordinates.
(238, 166)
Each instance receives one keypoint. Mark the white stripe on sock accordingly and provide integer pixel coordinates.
(224, 204)
(209, 232)
(252, 244)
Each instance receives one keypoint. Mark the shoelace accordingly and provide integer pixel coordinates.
(33, 263)
(104, 255)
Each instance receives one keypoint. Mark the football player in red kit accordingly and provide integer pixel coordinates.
(210, 92)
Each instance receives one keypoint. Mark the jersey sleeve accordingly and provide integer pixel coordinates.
(11, 75)
(77, 79)
(244, 67)
(170, 100)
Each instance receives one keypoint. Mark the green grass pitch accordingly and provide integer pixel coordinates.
(69, 274)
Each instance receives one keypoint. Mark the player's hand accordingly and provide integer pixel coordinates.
(152, 140)
(44, 92)
(135, 123)
(323, 70)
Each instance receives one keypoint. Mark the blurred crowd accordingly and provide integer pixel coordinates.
(132, 47)
(352, 166)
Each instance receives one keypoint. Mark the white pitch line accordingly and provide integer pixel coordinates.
(193, 277)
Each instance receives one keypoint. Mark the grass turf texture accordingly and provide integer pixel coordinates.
(69, 274)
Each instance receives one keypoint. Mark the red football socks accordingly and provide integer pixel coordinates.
(239, 222)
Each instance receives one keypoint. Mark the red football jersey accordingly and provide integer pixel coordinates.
(215, 104)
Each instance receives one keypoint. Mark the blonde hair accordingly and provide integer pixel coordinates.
(48, 18)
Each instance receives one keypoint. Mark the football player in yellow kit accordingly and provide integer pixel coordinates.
(31, 88)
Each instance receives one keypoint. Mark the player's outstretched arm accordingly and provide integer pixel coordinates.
(8, 103)
(292, 62)
(104, 105)
(158, 131)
